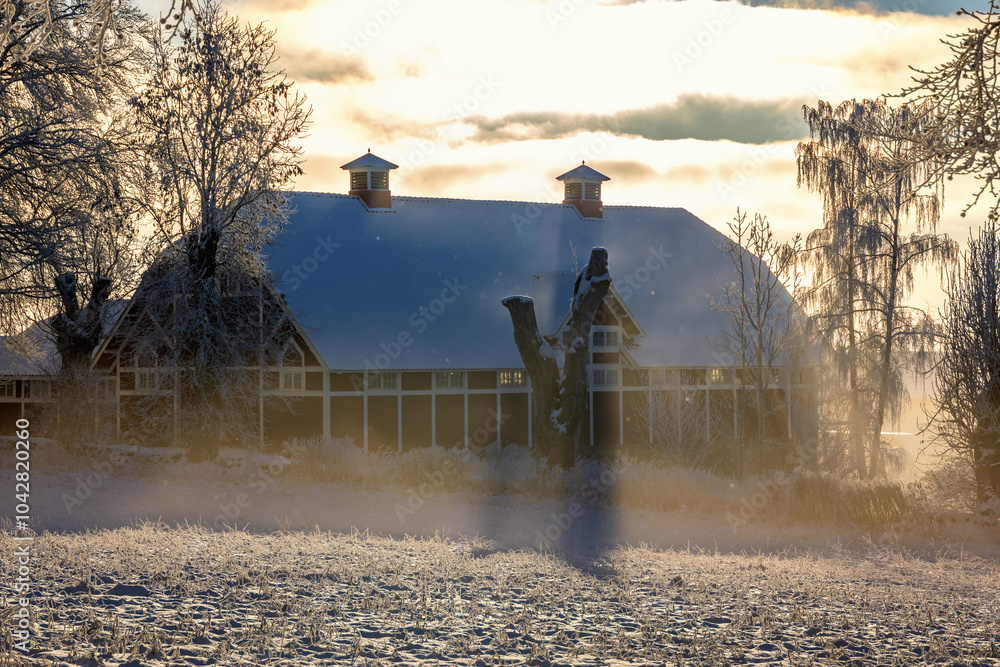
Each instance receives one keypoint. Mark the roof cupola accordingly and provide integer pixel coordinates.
(370, 180)
(583, 190)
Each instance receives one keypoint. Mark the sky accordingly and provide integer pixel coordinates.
(688, 103)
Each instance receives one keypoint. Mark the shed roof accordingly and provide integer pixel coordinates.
(419, 286)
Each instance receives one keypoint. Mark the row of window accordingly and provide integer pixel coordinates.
(293, 380)
(442, 380)
(29, 389)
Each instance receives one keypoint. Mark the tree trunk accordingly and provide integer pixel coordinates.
(559, 396)
(78, 331)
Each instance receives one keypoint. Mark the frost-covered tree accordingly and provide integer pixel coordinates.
(218, 122)
(99, 21)
(765, 322)
(959, 133)
(834, 163)
(878, 228)
(58, 141)
(966, 400)
(559, 394)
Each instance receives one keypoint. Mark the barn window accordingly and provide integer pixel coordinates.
(511, 378)
(449, 380)
(379, 180)
(592, 191)
(574, 191)
(605, 378)
(605, 338)
(381, 380)
(718, 376)
(359, 180)
(291, 380)
(7, 388)
(146, 380)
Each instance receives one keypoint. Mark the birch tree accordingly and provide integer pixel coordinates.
(878, 229)
(219, 123)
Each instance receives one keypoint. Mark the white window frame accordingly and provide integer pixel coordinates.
(8, 388)
(605, 377)
(381, 381)
(449, 380)
(292, 380)
(599, 338)
(147, 380)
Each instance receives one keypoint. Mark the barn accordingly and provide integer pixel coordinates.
(401, 339)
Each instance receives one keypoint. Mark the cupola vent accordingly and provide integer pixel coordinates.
(583, 190)
(370, 180)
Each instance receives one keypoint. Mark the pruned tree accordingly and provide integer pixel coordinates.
(218, 121)
(559, 394)
(878, 228)
(965, 415)
(765, 322)
(958, 131)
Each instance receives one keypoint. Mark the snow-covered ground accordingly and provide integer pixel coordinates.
(247, 561)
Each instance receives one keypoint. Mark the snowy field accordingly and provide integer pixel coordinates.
(138, 563)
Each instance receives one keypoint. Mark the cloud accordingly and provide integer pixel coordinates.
(324, 66)
(874, 7)
(441, 177)
(691, 117)
(628, 171)
(385, 127)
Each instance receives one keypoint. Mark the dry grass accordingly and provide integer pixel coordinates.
(186, 596)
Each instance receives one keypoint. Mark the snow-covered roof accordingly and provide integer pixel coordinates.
(419, 286)
(370, 160)
(584, 172)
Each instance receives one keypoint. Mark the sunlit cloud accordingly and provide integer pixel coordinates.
(703, 117)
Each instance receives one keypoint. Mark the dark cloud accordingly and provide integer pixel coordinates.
(442, 177)
(876, 7)
(628, 170)
(385, 127)
(690, 117)
(324, 66)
